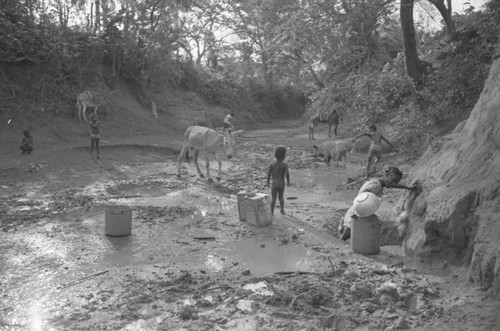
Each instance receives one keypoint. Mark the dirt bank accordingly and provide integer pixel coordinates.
(456, 218)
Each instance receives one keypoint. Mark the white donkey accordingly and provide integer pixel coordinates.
(88, 99)
(203, 139)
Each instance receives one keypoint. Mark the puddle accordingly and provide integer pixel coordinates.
(154, 243)
(162, 194)
(321, 186)
(141, 190)
(267, 257)
(216, 205)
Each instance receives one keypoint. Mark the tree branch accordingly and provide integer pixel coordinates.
(446, 14)
(8, 83)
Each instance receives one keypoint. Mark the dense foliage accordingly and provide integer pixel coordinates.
(254, 54)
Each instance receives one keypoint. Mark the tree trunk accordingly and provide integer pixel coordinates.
(456, 218)
(266, 72)
(90, 22)
(446, 14)
(104, 13)
(97, 18)
(414, 68)
(63, 13)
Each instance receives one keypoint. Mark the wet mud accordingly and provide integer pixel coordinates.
(190, 263)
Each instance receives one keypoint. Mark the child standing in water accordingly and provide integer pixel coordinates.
(375, 151)
(94, 135)
(278, 171)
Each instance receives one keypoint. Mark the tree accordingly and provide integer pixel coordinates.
(329, 40)
(254, 22)
(199, 28)
(415, 68)
(445, 11)
(97, 18)
(62, 8)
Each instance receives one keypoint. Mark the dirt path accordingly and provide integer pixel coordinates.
(190, 263)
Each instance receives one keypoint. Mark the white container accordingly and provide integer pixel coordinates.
(365, 235)
(118, 221)
(257, 210)
(241, 205)
(366, 204)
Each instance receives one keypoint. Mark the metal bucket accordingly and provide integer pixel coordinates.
(118, 221)
(365, 235)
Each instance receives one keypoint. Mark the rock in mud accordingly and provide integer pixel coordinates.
(334, 321)
(370, 307)
(188, 313)
(361, 291)
(244, 305)
(389, 289)
(400, 324)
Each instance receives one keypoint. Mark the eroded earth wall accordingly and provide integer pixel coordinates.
(457, 218)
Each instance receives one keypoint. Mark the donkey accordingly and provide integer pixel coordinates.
(332, 120)
(88, 99)
(333, 150)
(203, 139)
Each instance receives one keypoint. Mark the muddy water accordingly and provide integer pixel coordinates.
(157, 245)
(322, 185)
(142, 190)
(56, 252)
(264, 256)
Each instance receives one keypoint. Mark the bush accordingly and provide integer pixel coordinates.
(370, 95)
(456, 85)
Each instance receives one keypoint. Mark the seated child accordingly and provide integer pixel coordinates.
(27, 143)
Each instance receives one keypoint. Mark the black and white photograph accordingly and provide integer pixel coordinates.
(249, 165)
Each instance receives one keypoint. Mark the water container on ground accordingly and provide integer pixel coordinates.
(365, 235)
(257, 210)
(118, 221)
(241, 205)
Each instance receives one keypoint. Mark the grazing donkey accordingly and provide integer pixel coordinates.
(203, 139)
(335, 150)
(88, 99)
(333, 119)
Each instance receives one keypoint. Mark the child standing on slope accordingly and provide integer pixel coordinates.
(375, 151)
(228, 124)
(94, 135)
(278, 171)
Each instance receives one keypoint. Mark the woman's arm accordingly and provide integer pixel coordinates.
(402, 186)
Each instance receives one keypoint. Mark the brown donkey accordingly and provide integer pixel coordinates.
(333, 119)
